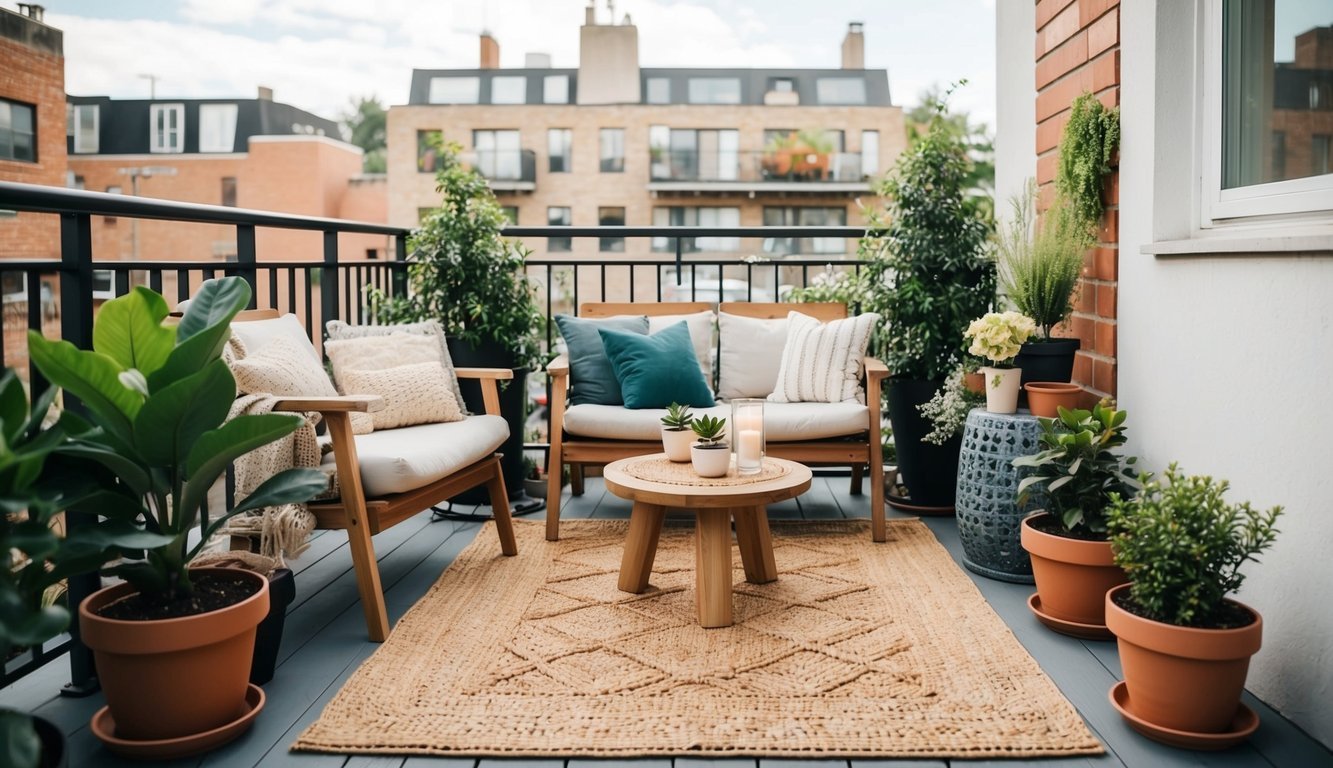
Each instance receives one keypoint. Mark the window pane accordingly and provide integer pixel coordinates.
(611, 217)
(217, 127)
(869, 153)
(229, 190)
(1277, 90)
(659, 90)
(511, 214)
(840, 90)
(715, 90)
(509, 90)
(555, 89)
(559, 143)
(612, 142)
(16, 132)
(429, 159)
(168, 124)
(558, 217)
(85, 128)
(454, 90)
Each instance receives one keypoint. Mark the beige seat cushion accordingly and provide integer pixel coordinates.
(400, 460)
(783, 422)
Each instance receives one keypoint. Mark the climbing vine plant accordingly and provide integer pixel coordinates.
(1089, 142)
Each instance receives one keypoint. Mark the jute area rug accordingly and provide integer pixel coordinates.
(857, 650)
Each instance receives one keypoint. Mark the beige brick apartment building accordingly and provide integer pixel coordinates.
(614, 143)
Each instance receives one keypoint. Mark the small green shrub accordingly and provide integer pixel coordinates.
(677, 418)
(708, 429)
(1182, 545)
(1040, 263)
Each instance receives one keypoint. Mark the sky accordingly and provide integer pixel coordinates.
(321, 54)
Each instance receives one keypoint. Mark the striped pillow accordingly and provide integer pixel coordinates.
(822, 362)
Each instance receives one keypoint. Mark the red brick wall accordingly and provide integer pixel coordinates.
(34, 77)
(1078, 49)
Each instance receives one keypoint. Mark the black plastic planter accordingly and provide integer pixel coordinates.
(929, 471)
(1051, 360)
(268, 636)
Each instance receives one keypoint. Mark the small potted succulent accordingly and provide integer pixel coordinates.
(1184, 645)
(1078, 472)
(711, 456)
(998, 337)
(676, 433)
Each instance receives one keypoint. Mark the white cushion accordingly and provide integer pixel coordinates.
(281, 368)
(783, 422)
(339, 331)
(257, 334)
(400, 460)
(747, 365)
(417, 393)
(822, 362)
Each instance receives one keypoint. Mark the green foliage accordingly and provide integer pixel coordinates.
(364, 126)
(1079, 470)
(830, 285)
(1039, 265)
(155, 441)
(20, 746)
(465, 274)
(947, 409)
(708, 429)
(979, 182)
(926, 271)
(1182, 546)
(678, 417)
(1086, 148)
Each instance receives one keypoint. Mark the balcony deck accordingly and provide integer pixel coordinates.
(325, 642)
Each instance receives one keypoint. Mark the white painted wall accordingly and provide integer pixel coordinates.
(1015, 101)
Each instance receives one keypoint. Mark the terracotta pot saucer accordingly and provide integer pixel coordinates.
(904, 504)
(1071, 628)
(1243, 725)
(104, 728)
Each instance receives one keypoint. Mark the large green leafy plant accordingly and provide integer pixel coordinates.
(1079, 470)
(927, 272)
(157, 437)
(464, 273)
(1182, 546)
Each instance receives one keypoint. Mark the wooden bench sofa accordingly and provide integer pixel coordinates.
(815, 434)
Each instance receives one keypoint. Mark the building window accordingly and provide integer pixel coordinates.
(166, 128)
(104, 284)
(499, 155)
(454, 90)
(559, 145)
(691, 155)
(229, 191)
(17, 131)
(783, 85)
(1279, 149)
(611, 217)
(715, 90)
(690, 216)
(869, 154)
(840, 90)
(790, 216)
(559, 216)
(1319, 149)
(430, 157)
(555, 89)
(511, 215)
(659, 90)
(612, 141)
(217, 127)
(509, 89)
(83, 126)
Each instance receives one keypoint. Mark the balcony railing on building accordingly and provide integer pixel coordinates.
(806, 171)
(507, 170)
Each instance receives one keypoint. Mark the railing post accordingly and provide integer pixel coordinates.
(328, 283)
(76, 327)
(399, 274)
(246, 258)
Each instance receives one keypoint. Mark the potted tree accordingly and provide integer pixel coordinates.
(998, 336)
(173, 645)
(1184, 645)
(1078, 473)
(711, 456)
(466, 275)
(927, 273)
(676, 432)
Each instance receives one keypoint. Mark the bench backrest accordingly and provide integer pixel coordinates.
(250, 315)
(612, 308)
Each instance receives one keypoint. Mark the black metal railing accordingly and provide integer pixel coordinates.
(763, 166)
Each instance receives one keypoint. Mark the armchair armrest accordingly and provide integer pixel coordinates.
(875, 369)
(559, 367)
(487, 378)
(337, 404)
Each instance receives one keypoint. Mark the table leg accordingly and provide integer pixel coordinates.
(645, 526)
(712, 565)
(756, 544)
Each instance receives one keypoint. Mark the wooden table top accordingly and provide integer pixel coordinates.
(626, 486)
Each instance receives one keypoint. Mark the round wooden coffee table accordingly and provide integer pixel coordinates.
(715, 506)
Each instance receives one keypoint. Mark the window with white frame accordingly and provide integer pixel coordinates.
(840, 90)
(714, 90)
(559, 147)
(869, 154)
(499, 154)
(454, 90)
(166, 128)
(84, 119)
(18, 131)
(217, 127)
(104, 284)
(1266, 103)
(701, 216)
(555, 89)
(509, 89)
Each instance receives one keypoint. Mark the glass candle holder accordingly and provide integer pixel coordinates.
(747, 434)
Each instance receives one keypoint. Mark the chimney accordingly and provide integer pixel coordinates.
(265, 93)
(32, 11)
(590, 15)
(490, 52)
(854, 47)
(608, 61)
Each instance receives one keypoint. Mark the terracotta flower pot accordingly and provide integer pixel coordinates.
(1045, 397)
(1183, 678)
(710, 462)
(170, 678)
(1072, 575)
(676, 443)
(975, 382)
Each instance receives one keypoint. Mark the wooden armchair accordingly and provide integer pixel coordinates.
(363, 514)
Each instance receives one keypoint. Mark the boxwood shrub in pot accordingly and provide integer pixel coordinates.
(1184, 645)
(173, 645)
(1078, 472)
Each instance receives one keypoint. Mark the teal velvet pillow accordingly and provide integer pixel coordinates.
(592, 379)
(655, 371)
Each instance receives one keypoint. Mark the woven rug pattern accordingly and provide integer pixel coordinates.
(857, 650)
(662, 470)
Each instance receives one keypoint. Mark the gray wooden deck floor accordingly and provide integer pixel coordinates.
(325, 642)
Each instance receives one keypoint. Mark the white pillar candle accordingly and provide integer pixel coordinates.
(749, 448)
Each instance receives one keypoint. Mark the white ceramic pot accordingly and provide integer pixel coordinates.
(711, 462)
(677, 442)
(1002, 389)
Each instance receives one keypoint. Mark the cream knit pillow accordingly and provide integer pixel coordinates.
(377, 353)
(822, 362)
(282, 368)
(413, 394)
(338, 330)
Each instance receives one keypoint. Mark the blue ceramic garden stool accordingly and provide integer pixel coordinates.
(988, 511)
